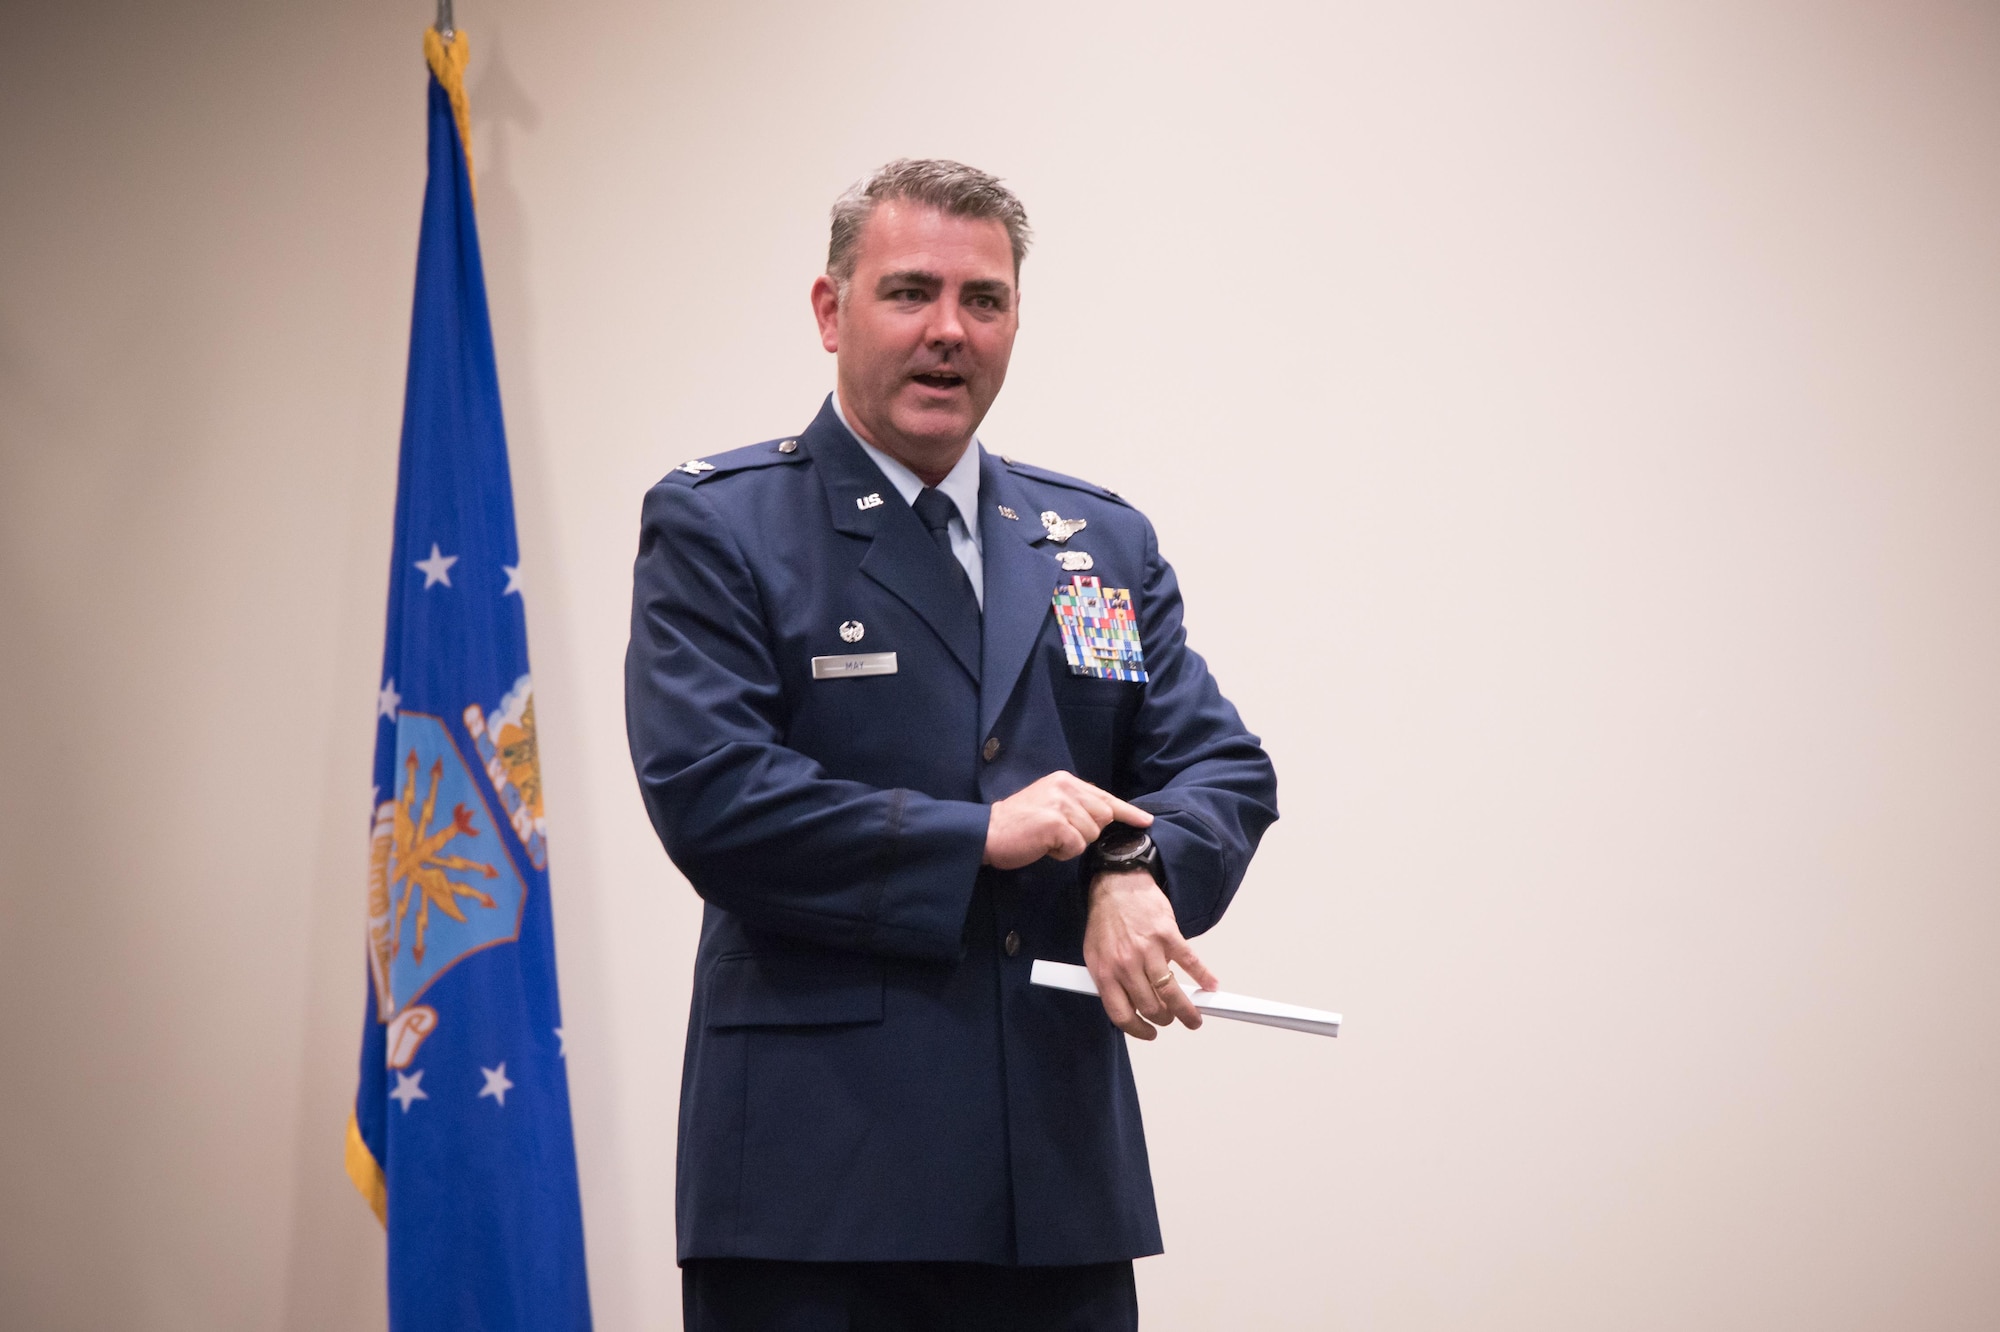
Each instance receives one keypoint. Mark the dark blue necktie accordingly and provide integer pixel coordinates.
(934, 510)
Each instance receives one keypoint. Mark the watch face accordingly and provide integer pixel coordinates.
(1123, 844)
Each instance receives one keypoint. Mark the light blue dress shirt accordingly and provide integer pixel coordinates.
(960, 486)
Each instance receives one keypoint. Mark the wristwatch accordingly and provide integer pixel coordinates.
(1123, 848)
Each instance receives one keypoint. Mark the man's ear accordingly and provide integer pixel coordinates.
(826, 309)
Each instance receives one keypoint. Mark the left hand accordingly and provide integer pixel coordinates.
(1128, 940)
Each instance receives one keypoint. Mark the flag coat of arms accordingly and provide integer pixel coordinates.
(460, 1137)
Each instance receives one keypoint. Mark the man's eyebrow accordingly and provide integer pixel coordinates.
(908, 277)
(987, 287)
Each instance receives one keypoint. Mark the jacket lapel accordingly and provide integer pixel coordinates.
(1019, 583)
(901, 556)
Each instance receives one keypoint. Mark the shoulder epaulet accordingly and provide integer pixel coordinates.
(1035, 473)
(768, 454)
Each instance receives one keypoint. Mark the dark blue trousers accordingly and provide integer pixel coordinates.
(757, 1295)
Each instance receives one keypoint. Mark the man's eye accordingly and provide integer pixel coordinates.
(906, 295)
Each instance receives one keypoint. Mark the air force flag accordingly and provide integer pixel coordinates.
(461, 1130)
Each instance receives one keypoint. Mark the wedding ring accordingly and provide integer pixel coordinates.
(1164, 981)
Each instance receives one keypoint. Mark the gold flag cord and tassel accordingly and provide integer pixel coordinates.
(447, 61)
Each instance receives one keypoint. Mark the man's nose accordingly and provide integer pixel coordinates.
(946, 330)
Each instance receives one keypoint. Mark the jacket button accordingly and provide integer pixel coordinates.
(992, 749)
(1012, 943)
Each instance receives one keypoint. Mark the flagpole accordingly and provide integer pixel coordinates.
(443, 24)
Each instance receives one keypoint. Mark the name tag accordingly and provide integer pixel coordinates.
(861, 663)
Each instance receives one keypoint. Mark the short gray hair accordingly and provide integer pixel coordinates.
(950, 187)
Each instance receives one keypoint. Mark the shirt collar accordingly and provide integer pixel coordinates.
(960, 485)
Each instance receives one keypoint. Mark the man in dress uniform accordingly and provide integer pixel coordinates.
(909, 716)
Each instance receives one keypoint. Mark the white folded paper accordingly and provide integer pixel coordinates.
(1215, 1003)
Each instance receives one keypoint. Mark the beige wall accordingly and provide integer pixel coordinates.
(1577, 430)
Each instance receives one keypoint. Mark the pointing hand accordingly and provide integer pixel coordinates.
(1058, 816)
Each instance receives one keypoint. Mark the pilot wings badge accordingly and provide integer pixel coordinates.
(1061, 529)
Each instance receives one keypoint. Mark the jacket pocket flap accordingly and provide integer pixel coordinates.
(794, 990)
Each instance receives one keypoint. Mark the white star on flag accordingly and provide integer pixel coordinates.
(388, 700)
(562, 1044)
(496, 1083)
(514, 585)
(407, 1089)
(437, 569)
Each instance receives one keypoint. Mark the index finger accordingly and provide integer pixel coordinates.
(1179, 951)
(1125, 812)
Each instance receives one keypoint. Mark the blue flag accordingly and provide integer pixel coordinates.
(461, 1130)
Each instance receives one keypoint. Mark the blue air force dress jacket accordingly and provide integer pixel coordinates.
(869, 1075)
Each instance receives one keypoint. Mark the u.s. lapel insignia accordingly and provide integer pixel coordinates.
(1009, 514)
(1074, 561)
(872, 500)
(695, 467)
(1100, 632)
(851, 631)
(1061, 529)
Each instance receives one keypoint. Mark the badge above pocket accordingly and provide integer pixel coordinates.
(1100, 634)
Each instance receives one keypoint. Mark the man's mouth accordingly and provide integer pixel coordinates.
(939, 379)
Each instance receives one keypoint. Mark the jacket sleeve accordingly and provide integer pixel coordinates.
(1202, 775)
(760, 830)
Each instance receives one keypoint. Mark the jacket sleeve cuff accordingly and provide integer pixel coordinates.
(1198, 881)
(932, 853)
